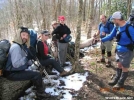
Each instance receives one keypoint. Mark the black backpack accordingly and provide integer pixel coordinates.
(4, 49)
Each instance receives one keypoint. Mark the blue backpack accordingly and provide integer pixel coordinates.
(68, 38)
(33, 38)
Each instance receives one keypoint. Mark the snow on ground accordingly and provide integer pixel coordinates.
(64, 85)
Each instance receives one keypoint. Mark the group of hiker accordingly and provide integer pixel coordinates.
(21, 54)
(123, 30)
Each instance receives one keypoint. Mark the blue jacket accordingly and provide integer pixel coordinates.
(107, 28)
(124, 40)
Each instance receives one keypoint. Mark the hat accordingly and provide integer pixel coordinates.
(54, 22)
(46, 32)
(24, 29)
(117, 15)
(61, 18)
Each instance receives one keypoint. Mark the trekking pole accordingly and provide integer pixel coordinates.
(45, 72)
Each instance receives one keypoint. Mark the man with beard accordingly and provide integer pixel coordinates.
(124, 34)
(105, 27)
(19, 60)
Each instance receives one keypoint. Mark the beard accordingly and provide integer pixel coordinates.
(24, 40)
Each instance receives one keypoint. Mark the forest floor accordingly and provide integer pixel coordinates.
(96, 87)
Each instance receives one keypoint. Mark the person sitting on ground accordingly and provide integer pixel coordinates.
(43, 55)
(19, 59)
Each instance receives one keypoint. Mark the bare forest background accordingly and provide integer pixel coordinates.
(40, 13)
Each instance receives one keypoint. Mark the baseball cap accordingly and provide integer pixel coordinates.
(45, 32)
(117, 15)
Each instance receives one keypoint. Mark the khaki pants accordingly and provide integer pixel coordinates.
(106, 46)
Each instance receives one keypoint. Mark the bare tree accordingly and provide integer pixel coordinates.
(90, 19)
(129, 3)
(76, 66)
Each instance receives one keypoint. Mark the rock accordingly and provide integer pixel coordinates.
(12, 90)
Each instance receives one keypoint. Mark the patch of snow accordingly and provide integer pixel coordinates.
(72, 82)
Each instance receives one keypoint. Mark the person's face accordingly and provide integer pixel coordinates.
(45, 37)
(24, 37)
(116, 22)
(62, 21)
(54, 25)
(103, 19)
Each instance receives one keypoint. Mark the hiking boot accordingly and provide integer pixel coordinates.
(64, 73)
(102, 60)
(43, 94)
(116, 78)
(121, 81)
(108, 64)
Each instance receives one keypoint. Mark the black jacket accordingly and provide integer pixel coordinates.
(60, 31)
(40, 50)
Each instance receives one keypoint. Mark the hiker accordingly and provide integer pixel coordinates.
(19, 59)
(44, 57)
(61, 32)
(105, 27)
(124, 34)
(54, 39)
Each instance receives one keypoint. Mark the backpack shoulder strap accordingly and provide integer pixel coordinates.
(100, 25)
(128, 33)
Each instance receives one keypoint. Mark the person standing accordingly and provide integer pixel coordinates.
(124, 34)
(61, 32)
(105, 27)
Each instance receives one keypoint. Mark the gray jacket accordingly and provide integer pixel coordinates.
(17, 60)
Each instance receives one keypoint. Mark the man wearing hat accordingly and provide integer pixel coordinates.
(124, 49)
(19, 59)
(61, 32)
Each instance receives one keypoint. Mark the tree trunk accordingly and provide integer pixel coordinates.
(129, 7)
(59, 7)
(84, 10)
(109, 8)
(90, 19)
(76, 66)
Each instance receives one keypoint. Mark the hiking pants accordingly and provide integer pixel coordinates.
(62, 52)
(35, 77)
(53, 63)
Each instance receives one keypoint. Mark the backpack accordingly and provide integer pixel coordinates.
(109, 22)
(4, 49)
(33, 38)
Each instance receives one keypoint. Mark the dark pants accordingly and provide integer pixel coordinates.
(35, 77)
(53, 63)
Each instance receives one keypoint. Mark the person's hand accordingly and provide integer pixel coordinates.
(94, 35)
(64, 35)
(61, 38)
(103, 33)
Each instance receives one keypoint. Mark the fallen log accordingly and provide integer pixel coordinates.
(12, 90)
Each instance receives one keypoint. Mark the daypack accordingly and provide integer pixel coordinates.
(68, 38)
(71, 50)
(33, 38)
(109, 22)
(4, 49)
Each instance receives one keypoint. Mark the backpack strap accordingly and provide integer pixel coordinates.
(128, 33)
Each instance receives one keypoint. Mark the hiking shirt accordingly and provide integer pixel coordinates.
(17, 60)
(124, 39)
(60, 31)
(106, 28)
